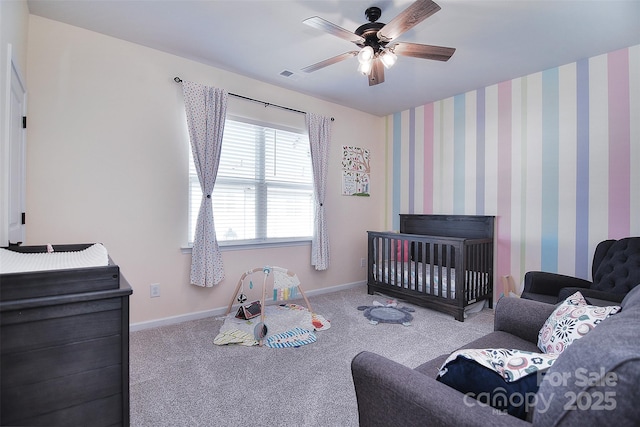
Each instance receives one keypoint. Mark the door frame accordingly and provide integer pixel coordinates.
(13, 75)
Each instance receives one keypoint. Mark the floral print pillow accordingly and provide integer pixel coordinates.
(570, 321)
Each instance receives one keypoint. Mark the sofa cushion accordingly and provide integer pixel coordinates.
(592, 296)
(432, 367)
(549, 299)
(631, 299)
(570, 321)
(594, 381)
(521, 318)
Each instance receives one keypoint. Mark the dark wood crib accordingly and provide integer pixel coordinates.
(442, 262)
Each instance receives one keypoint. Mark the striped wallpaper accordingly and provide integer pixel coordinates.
(554, 155)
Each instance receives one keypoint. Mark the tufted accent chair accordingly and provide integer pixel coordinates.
(615, 271)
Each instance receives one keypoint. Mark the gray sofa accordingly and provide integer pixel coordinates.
(391, 394)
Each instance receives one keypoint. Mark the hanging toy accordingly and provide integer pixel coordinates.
(242, 298)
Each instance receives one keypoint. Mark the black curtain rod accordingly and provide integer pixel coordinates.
(266, 104)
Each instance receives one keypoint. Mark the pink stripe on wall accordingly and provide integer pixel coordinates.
(428, 158)
(504, 183)
(619, 145)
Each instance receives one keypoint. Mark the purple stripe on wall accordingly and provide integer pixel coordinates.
(504, 183)
(619, 145)
(480, 151)
(582, 169)
(550, 169)
(428, 158)
(412, 159)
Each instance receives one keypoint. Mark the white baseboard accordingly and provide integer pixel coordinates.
(220, 311)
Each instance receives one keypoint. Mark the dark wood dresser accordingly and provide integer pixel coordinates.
(64, 346)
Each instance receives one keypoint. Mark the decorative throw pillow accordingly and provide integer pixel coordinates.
(573, 319)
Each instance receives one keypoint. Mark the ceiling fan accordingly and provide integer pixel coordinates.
(376, 40)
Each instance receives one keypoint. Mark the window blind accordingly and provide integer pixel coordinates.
(264, 188)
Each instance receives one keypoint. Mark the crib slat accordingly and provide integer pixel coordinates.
(424, 259)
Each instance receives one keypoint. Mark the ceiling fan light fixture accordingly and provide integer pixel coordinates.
(388, 58)
(365, 67)
(376, 40)
(366, 54)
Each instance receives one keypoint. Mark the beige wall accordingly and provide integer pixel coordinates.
(107, 162)
(14, 18)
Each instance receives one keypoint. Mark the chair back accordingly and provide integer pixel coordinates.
(616, 265)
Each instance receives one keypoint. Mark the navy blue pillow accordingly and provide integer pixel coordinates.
(489, 388)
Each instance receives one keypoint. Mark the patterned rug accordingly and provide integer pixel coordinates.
(285, 325)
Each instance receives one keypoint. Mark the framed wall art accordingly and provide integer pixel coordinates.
(356, 172)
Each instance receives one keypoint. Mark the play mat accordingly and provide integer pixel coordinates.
(388, 312)
(287, 325)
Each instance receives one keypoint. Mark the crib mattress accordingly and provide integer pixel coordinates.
(410, 274)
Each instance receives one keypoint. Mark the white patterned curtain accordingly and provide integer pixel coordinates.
(206, 108)
(319, 128)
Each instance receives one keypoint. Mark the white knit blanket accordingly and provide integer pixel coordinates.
(17, 262)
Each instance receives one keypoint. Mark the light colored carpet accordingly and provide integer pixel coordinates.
(180, 378)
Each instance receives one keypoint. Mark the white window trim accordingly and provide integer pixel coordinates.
(233, 245)
(228, 246)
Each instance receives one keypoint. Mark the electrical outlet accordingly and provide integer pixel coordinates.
(363, 262)
(155, 290)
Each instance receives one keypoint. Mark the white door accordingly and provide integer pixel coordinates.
(17, 159)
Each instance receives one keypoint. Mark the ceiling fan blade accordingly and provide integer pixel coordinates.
(424, 51)
(407, 19)
(330, 61)
(331, 28)
(376, 76)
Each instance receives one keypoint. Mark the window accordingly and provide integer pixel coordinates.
(264, 188)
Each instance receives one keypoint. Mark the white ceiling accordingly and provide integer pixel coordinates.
(495, 40)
